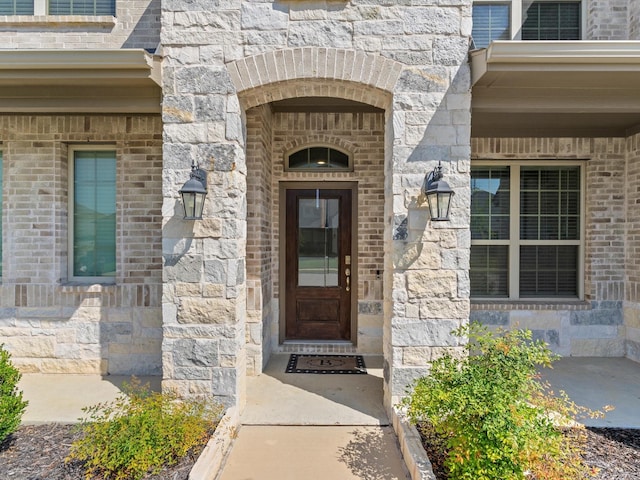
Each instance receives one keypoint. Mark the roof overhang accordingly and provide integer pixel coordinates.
(582, 88)
(80, 81)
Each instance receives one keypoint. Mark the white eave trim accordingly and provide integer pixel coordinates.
(137, 62)
(555, 55)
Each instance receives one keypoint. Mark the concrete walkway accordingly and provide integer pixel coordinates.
(321, 427)
(304, 426)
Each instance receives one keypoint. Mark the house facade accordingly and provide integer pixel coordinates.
(317, 124)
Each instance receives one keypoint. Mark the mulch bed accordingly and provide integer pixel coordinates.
(615, 452)
(37, 453)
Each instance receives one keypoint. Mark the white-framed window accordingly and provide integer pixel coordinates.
(92, 213)
(527, 20)
(58, 7)
(527, 222)
(491, 21)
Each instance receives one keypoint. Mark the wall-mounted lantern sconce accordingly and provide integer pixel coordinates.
(438, 193)
(193, 193)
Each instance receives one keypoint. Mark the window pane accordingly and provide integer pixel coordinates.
(16, 7)
(490, 22)
(490, 203)
(318, 252)
(489, 271)
(318, 158)
(94, 214)
(549, 271)
(549, 203)
(82, 7)
(552, 21)
(338, 159)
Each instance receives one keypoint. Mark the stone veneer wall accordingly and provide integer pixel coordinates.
(408, 59)
(49, 325)
(135, 25)
(632, 243)
(262, 241)
(593, 327)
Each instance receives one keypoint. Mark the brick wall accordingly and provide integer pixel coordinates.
(135, 25)
(632, 296)
(270, 136)
(261, 240)
(608, 19)
(362, 134)
(47, 323)
(634, 20)
(593, 327)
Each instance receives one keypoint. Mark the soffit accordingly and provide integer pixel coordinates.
(555, 89)
(71, 81)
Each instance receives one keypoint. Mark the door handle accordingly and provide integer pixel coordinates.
(347, 273)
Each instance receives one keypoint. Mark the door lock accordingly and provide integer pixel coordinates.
(347, 273)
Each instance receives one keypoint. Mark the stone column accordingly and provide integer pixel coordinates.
(427, 294)
(204, 286)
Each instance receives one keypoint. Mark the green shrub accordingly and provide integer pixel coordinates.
(497, 419)
(142, 431)
(12, 405)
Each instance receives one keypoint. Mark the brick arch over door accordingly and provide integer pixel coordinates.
(317, 72)
(319, 139)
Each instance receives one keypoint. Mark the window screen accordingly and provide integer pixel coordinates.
(490, 22)
(16, 7)
(552, 21)
(82, 7)
(94, 214)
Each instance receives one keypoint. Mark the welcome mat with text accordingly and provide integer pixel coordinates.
(326, 364)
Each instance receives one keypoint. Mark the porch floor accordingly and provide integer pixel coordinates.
(279, 398)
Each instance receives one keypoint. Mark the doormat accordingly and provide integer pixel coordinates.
(327, 364)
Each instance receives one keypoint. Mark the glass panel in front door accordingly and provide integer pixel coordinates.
(318, 252)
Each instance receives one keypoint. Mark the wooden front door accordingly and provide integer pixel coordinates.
(318, 264)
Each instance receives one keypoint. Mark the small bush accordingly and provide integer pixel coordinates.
(142, 431)
(12, 406)
(497, 419)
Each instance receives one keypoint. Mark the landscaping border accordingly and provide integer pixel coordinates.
(215, 452)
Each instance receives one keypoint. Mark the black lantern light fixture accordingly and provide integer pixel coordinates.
(438, 193)
(193, 193)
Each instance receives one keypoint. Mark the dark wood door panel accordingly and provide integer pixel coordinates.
(318, 246)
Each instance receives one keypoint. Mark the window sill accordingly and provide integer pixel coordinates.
(56, 20)
(567, 304)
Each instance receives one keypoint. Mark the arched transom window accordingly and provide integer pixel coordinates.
(318, 158)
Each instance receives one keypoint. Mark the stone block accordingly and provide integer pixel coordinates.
(443, 308)
(631, 316)
(213, 290)
(489, 317)
(207, 228)
(182, 268)
(403, 378)
(416, 356)
(432, 283)
(595, 347)
(206, 311)
(86, 366)
(604, 316)
(195, 353)
(224, 381)
(42, 347)
(436, 333)
(538, 319)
